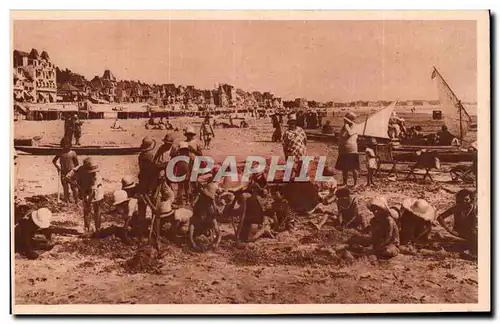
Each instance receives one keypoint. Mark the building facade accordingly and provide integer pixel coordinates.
(35, 74)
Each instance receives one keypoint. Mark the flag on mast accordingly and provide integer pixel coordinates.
(455, 116)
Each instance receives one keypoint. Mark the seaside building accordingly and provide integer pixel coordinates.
(36, 75)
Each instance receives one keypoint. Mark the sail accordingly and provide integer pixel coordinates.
(377, 124)
(455, 116)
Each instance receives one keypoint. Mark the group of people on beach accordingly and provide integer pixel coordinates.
(194, 207)
(73, 128)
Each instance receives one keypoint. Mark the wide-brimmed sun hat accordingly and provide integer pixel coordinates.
(350, 117)
(190, 130)
(183, 145)
(147, 144)
(90, 166)
(420, 208)
(379, 202)
(165, 208)
(119, 196)
(128, 182)
(41, 217)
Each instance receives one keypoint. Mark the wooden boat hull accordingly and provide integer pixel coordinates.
(406, 153)
(80, 150)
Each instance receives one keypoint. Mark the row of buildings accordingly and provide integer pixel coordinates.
(35, 80)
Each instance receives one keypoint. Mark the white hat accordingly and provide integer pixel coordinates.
(165, 208)
(183, 215)
(128, 182)
(119, 196)
(420, 208)
(379, 202)
(292, 117)
(41, 217)
(190, 130)
(183, 145)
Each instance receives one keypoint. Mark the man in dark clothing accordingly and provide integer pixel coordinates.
(68, 128)
(77, 126)
(25, 229)
(148, 177)
(68, 160)
(445, 137)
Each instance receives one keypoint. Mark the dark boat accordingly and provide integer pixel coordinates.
(80, 150)
(404, 153)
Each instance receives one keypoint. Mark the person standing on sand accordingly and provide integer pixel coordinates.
(194, 145)
(348, 159)
(276, 137)
(89, 182)
(68, 160)
(77, 125)
(148, 178)
(294, 142)
(206, 132)
(165, 153)
(68, 128)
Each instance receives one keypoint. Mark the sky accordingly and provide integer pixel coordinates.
(317, 60)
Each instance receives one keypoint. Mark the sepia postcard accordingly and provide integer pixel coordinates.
(250, 162)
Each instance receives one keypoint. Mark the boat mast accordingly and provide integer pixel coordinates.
(461, 132)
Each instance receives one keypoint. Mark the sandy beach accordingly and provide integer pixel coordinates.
(83, 271)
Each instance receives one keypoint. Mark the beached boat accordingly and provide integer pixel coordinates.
(80, 150)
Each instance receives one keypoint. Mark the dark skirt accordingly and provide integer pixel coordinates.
(348, 161)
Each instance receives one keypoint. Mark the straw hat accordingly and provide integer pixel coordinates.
(41, 217)
(350, 117)
(119, 197)
(183, 145)
(128, 182)
(147, 144)
(379, 202)
(292, 117)
(420, 208)
(183, 215)
(168, 138)
(90, 166)
(190, 130)
(165, 208)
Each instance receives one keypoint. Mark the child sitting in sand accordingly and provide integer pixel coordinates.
(348, 210)
(384, 232)
(280, 212)
(27, 226)
(417, 216)
(464, 214)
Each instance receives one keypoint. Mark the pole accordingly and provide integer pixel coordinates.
(58, 186)
(461, 133)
